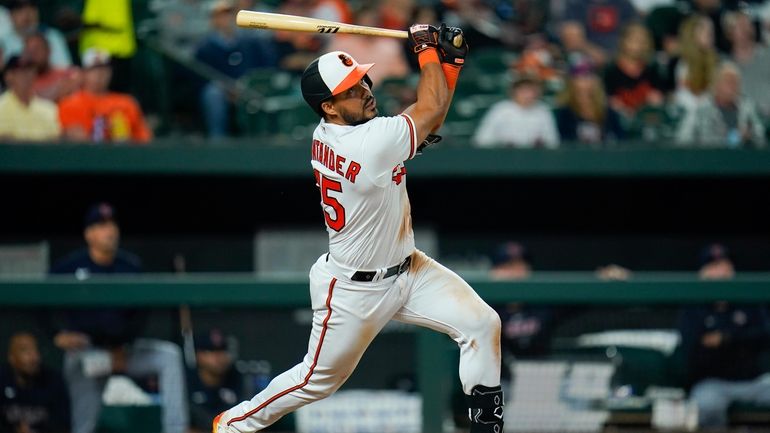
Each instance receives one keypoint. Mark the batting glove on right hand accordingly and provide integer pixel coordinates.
(422, 37)
(448, 50)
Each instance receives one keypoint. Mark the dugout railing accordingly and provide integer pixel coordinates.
(434, 357)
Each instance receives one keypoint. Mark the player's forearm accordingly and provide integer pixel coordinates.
(432, 100)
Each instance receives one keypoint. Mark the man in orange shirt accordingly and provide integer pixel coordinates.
(95, 114)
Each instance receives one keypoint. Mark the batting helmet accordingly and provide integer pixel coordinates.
(329, 75)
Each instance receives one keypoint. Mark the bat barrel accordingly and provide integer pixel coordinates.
(270, 21)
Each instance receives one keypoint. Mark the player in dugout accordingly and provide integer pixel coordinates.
(373, 273)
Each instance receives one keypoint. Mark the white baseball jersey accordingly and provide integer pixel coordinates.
(360, 172)
(361, 176)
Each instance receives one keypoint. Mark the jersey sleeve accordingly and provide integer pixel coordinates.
(389, 142)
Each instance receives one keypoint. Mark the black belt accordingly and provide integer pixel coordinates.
(393, 270)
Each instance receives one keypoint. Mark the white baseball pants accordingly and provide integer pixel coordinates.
(349, 314)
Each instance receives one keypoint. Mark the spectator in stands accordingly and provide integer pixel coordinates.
(752, 58)
(511, 261)
(577, 48)
(601, 19)
(52, 83)
(34, 398)
(214, 385)
(697, 62)
(584, 115)
(631, 80)
(25, 117)
(387, 52)
(105, 341)
(723, 344)
(5, 25)
(25, 17)
(232, 53)
(521, 121)
(109, 27)
(714, 10)
(715, 263)
(726, 118)
(95, 114)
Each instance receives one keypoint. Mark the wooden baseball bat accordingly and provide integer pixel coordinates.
(264, 20)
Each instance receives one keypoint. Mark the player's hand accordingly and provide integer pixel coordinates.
(430, 140)
(448, 50)
(422, 37)
(69, 340)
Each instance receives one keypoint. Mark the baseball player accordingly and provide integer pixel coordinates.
(372, 272)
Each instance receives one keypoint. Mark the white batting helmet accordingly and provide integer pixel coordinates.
(329, 75)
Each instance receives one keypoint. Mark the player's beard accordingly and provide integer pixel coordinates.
(354, 119)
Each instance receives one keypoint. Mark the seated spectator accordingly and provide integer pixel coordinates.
(5, 26)
(51, 83)
(601, 19)
(25, 17)
(105, 341)
(583, 115)
(715, 263)
(577, 48)
(725, 118)
(385, 52)
(752, 58)
(34, 398)
(631, 80)
(723, 344)
(25, 117)
(714, 11)
(95, 114)
(232, 53)
(697, 63)
(521, 121)
(214, 386)
(511, 262)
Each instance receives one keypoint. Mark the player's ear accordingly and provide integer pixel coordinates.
(328, 108)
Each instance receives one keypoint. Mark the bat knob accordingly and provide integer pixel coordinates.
(457, 41)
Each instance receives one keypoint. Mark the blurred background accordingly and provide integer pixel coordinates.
(603, 182)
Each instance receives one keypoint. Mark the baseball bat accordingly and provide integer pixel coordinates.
(269, 21)
(295, 23)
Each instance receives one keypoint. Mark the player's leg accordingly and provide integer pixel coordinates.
(149, 356)
(85, 393)
(345, 320)
(712, 399)
(439, 299)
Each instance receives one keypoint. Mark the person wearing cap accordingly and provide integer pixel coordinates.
(25, 18)
(214, 385)
(583, 115)
(25, 117)
(373, 272)
(99, 342)
(96, 114)
(521, 121)
(723, 345)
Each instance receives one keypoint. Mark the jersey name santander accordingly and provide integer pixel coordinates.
(361, 176)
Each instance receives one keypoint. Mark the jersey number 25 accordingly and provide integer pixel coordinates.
(325, 185)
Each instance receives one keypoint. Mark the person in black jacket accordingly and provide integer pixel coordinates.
(723, 344)
(34, 398)
(215, 385)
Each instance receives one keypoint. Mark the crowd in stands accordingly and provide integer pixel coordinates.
(591, 72)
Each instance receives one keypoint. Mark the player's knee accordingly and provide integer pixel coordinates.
(489, 323)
